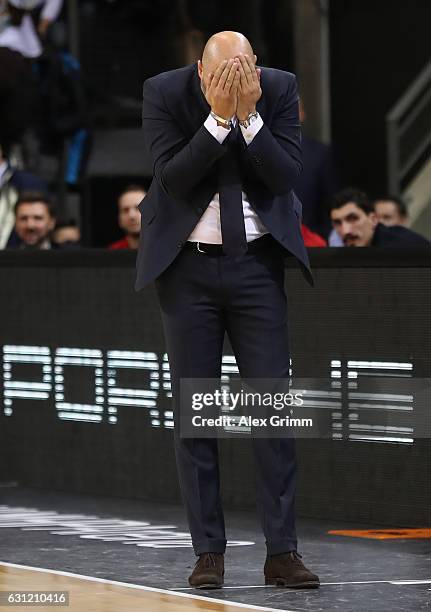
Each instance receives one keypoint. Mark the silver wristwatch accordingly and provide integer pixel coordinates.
(250, 119)
(226, 123)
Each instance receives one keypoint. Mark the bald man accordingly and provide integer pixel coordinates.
(218, 221)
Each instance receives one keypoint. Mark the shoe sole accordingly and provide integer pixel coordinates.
(208, 586)
(282, 582)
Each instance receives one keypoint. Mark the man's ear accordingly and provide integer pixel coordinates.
(200, 68)
(255, 58)
(373, 218)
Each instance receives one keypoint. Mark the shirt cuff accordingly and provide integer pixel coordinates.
(51, 9)
(215, 130)
(250, 132)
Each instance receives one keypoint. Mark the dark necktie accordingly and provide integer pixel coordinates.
(231, 212)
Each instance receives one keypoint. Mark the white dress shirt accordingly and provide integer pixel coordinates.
(208, 228)
(3, 168)
(23, 38)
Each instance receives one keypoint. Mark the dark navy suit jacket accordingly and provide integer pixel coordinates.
(397, 235)
(185, 169)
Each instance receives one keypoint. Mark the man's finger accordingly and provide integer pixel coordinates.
(243, 77)
(251, 67)
(218, 72)
(235, 82)
(231, 75)
(225, 74)
(246, 68)
(210, 83)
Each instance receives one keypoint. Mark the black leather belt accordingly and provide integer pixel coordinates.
(217, 249)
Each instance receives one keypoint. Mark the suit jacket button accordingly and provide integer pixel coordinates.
(180, 245)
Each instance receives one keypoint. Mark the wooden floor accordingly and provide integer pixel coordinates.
(87, 594)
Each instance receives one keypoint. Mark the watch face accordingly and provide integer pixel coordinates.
(250, 119)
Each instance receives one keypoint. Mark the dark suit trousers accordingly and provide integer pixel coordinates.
(201, 298)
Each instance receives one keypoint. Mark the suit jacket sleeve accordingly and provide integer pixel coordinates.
(275, 153)
(179, 163)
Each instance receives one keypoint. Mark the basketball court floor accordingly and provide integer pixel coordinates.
(109, 554)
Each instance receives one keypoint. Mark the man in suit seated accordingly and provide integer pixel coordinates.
(355, 221)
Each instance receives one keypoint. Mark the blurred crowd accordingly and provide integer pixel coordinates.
(356, 220)
(41, 94)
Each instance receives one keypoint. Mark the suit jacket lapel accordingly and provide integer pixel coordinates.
(199, 107)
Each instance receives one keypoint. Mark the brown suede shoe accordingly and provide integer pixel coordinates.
(208, 572)
(287, 570)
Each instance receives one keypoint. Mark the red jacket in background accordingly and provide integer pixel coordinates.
(120, 244)
(311, 239)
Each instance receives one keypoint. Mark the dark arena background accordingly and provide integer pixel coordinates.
(83, 392)
(92, 517)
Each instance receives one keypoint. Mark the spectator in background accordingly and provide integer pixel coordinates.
(35, 220)
(12, 182)
(391, 210)
(354, 219)
(129, 217)
(67, 233)
(317, 182)
(20, 33)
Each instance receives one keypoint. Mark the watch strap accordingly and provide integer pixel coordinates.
(250, 119)
(226, 123)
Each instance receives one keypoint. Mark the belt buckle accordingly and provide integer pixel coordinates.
(200, 250)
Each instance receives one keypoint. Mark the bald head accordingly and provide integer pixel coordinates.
(223, 46)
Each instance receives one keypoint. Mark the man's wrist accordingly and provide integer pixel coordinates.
(222, 121)
(244, 115)
(250, 119)
(218, 132)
